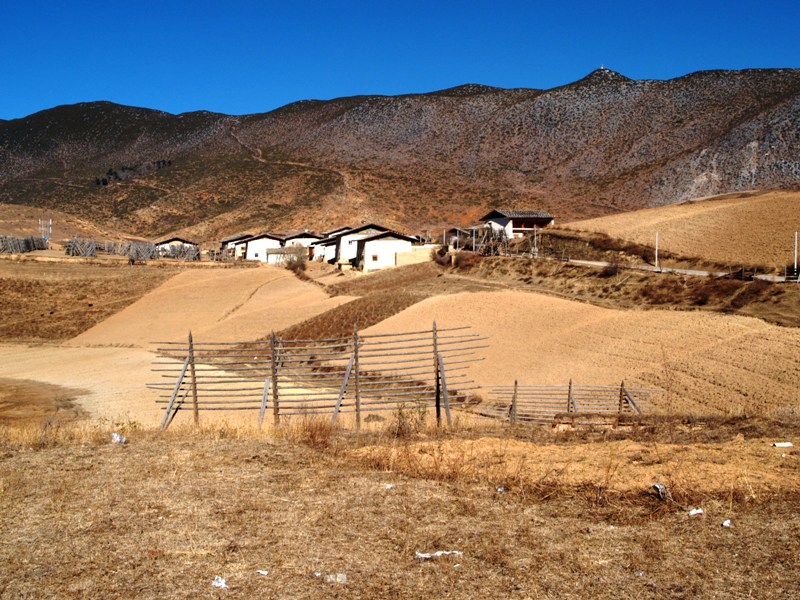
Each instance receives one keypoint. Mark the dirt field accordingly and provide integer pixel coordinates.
(707, 363)
(218, 305)
(110, 362)
(738, 229)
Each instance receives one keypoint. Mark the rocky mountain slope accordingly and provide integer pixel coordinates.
(600, 145)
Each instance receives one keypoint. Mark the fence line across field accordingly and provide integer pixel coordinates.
(353, 374)
(545, 403)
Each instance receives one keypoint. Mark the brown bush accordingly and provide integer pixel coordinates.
(466, 260)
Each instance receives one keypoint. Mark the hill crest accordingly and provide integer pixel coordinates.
(603, 144)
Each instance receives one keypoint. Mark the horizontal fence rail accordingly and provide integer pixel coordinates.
(519, 403)
(353, 374)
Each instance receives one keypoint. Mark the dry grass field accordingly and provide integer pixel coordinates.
(162, 516)
(54, 301)
(738, 229)
(538, 512)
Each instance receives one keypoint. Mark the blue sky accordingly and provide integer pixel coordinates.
(245, 56)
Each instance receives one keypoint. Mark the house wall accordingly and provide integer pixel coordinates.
(502, 223)
(380, 254)
(301, 241)
(348, 244)
(257, 249)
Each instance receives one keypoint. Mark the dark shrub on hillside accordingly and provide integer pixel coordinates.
(466, 260)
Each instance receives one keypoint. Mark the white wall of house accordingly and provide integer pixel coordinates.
(301, 241)
(325, 252)
(503, 223)
(380, 254)
(257, 249)
(239, 248)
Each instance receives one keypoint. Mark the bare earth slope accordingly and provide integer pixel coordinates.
(219, 305)
(746, 228)
(111, 361)
(706, 363)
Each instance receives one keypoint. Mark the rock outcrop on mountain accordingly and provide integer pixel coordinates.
(603, 144)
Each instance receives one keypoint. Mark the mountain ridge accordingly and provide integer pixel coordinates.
(602, 144)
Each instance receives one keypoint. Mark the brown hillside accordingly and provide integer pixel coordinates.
(601, 145)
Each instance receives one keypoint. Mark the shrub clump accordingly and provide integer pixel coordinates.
(466, 259)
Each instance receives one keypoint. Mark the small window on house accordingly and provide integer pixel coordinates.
(374, 258)
(255, 254)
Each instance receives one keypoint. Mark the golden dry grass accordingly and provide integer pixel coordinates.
(52, 301)
(739, 229)
(80, 521)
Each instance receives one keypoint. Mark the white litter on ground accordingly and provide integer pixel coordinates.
(783, 445)
(117, 438)
(262, 572)
(336, 578)
(220, 583)
(726, 523)
(695, 512)
(437, 554)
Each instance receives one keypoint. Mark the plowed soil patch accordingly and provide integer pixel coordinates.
(216, 305)
(706, 363)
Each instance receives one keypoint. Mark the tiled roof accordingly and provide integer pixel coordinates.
(522, 214)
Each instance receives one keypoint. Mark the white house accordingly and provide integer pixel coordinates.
(259, 245)
(518, 223)
(178, 247)
(324, 250)
(235, 244)
(347, 242)
(304, 238)
(380, 250)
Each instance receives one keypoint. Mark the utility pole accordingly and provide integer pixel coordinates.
(795, 253)
(656, 250)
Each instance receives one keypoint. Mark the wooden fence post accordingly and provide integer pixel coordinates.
(444, 392)
(512, 415)
(621, 396)
(357, 380)
(263, 408)
(274, 370)
(570, 403)
(436, 375)
(343, 390)
(195, 407)
(167, 419)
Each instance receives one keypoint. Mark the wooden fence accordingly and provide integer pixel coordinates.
(548, 403)
(14, 245)
(354, 374)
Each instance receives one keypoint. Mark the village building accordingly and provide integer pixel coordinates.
(380, 250)
(235, 245)
(518, 223)
(347, 243)
(304, 238)
(177, 247)
(260, 247)
(333, 232)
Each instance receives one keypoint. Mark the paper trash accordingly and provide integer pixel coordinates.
(220, 583)
(695, 511)
(437, 554)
